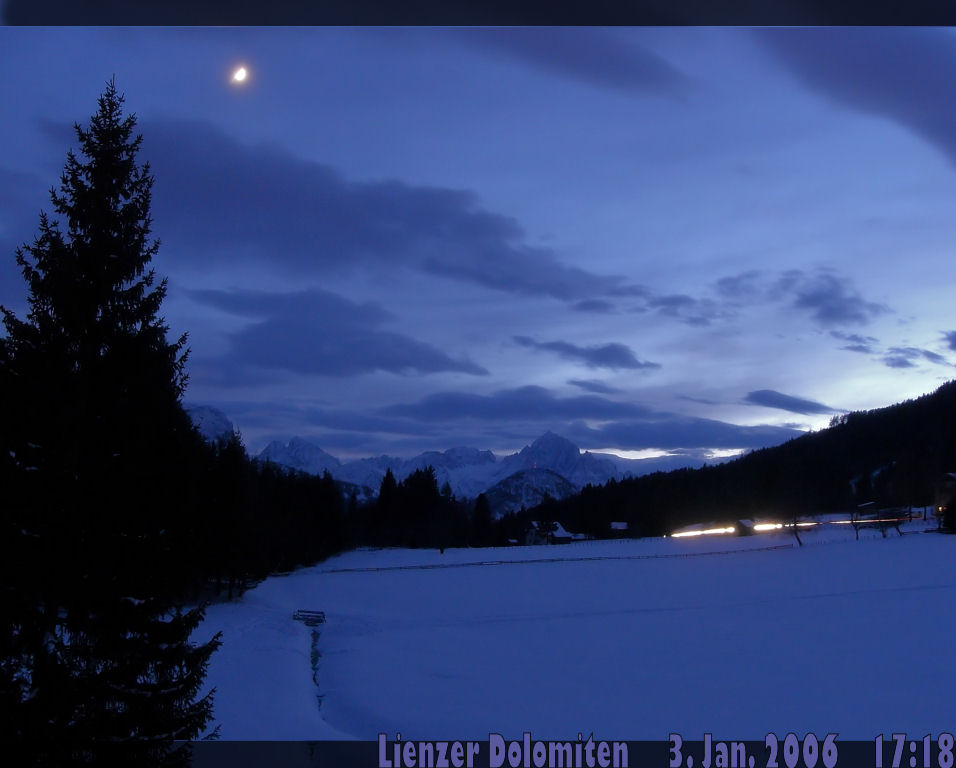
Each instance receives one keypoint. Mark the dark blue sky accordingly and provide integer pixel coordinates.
(390, 240)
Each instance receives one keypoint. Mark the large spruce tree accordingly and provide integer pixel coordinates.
(100, 500)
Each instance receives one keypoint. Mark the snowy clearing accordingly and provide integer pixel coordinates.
(628, 639)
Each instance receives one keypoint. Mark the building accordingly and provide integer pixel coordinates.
(553, 533)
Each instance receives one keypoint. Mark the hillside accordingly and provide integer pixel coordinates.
(527, 488)
(893, 456)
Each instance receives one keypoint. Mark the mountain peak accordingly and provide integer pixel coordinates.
(550, 451)
(299, 454)
(550, 438)
(211, 422)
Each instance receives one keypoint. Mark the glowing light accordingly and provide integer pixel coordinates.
(240, 75)
(707, 532)
(768, 526)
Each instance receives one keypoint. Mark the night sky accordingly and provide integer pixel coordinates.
(643, 239)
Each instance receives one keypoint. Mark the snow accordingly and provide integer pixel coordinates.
(470, 471)
(631, 639)
(211, 422)
(300, 454)
(527, 488)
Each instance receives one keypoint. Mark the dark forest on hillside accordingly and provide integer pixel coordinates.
(893, 457)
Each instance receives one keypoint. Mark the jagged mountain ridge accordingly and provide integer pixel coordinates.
(302, 455)
(469, 471)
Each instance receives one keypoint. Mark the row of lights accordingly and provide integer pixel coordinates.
(761, 527)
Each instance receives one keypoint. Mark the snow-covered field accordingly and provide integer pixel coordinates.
(628, 639)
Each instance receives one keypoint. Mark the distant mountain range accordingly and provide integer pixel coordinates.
(550, 465)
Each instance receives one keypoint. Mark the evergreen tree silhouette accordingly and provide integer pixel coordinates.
(96, 455)
(385, 525)
(481, 523)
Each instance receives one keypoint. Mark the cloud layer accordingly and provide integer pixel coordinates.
(905, 75)
(829, 299)
(771, 399)
(614, 356)
(589, 419)
(595, 56)
(320, 333)
(261, 203)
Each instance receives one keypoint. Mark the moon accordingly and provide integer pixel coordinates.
(240, 75)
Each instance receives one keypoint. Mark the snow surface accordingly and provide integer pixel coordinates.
(630, 639)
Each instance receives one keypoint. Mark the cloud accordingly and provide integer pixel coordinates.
(898, 361)
(220, 201)
(906, 75)
(857, 343)
(683, 433)
(680, 306)
(906, 357)
(598, 306)
(688, 309)
(628, 426)
(771, 399)
(594, 385)
(599, 57)
(523, 403)
(614, 356)
(702, 400)
(745, 287)
(950, 338)
(830, 299)
(320, 333)
(933, 357)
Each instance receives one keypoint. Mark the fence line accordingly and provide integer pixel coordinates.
(435, 566)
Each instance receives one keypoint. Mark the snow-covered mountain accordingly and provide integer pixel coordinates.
(212, 422)
(302, 455)
(527, 488)
(369, 472)
(551, 451)
(468, 471)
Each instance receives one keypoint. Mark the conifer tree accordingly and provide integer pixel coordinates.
(385, 512)
(96, 450)
(481, 530)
